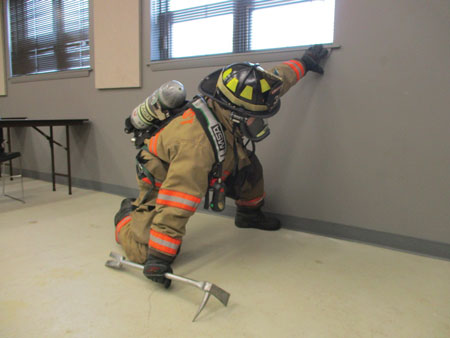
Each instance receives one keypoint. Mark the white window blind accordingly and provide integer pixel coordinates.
(182, 28)
(48, 36)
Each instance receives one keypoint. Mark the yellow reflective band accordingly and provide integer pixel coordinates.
(226, 73)
(264, 86)
(233, 84)
(247, 93)
(238, 102)
(262, 132)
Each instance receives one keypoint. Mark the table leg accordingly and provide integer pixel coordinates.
(69, 173)
(52, 153)
(9, 150)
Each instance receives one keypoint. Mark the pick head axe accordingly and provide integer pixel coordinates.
(207, 287)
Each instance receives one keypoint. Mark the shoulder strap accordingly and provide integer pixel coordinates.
(211, 126)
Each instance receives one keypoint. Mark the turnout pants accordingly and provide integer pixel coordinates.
(246, 187)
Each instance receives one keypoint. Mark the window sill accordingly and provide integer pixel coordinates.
(224, 59)
(50, 76)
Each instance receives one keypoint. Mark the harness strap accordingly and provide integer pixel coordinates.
(211, 126)
(216, 136)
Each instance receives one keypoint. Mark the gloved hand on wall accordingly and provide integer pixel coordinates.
(312, 57)
(155, 268)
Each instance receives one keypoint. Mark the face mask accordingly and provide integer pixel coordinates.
(255, 129)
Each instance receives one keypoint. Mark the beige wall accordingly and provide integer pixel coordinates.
(2, 55)
(117, 52)
(365, 145)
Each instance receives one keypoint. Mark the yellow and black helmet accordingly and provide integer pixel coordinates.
(245, 88)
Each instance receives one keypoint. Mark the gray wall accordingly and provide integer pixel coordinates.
(366, 145)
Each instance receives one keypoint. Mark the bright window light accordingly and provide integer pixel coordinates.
(176, 5)
(301, 24)
(218, 40)
(181, 28)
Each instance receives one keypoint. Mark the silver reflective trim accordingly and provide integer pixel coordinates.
(164, 243)
(181, 200)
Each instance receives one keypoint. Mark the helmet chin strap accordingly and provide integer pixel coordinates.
(235, 118)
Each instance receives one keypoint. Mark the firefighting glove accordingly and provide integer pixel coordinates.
(155, 268)
(312, 57)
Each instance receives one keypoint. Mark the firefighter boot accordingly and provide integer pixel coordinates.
(126, 207)
(255, 218)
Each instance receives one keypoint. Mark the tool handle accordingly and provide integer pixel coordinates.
(195, 283)
(134, 265)
(168, 275)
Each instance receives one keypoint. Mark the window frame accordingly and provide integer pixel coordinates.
(47, 75)
(238, 54)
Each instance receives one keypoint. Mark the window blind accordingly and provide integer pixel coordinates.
(205, 27)
(48, 36)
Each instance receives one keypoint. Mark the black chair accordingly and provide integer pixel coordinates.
(5, 159)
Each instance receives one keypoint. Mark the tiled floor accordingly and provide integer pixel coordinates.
(53, 281)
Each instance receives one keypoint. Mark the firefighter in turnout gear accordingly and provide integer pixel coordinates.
(182, 160)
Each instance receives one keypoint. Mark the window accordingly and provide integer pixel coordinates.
(48, 36)
(181, 28)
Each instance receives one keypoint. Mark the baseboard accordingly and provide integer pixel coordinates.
(367, 236)
(327, 229)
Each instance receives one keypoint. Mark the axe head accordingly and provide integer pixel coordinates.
(212, 289)
(219, 293)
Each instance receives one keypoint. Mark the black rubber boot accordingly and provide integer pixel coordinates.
(126, 207)
(255, 218)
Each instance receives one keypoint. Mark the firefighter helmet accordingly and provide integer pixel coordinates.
(245, 88)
